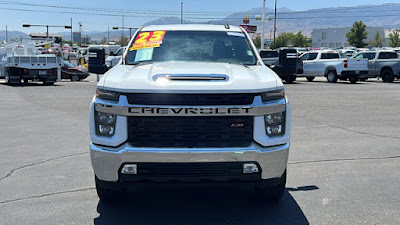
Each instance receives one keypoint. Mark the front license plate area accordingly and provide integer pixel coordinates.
(42, 72)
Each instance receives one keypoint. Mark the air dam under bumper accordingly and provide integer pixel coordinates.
(107, 162)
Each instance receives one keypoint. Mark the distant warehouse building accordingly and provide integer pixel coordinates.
(336, 37)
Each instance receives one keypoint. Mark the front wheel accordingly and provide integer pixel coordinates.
(75, 78)
(274, 193)
(310, 78)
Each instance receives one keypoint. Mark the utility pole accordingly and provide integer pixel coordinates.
(275, 22)
(47, 32)
(263, 26)
(80, 34)
(108, 35)
(181, 12)
(123, 25)
(72, 36)
(6, 35)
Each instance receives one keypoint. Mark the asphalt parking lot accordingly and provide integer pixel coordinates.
(344, 165)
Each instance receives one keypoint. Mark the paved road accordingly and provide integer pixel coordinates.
(344, 163)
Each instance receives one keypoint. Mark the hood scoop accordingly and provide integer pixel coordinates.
(192, 77)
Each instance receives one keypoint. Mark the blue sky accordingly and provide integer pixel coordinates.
(144, 11)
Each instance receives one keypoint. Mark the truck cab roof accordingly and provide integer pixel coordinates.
(191, 27)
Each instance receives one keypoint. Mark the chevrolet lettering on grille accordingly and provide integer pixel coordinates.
(190, 111)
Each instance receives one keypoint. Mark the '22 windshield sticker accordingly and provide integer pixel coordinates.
(150, 39)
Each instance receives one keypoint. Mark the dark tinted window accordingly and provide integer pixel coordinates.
(269, 54)
(366, 55)
(330, 56)
(387, 55)
(310, 56)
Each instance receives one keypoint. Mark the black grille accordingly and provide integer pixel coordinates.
(189, 169)
(190, 99)
(190, 132)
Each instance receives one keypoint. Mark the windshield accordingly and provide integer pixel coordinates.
(191, 46)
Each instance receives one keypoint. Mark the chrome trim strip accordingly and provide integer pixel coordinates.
(193, 77)
(123, 108)
(128, 148)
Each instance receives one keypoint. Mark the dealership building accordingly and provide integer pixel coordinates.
(336, 37)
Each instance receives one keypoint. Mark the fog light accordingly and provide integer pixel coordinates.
(274, 130)
(106, 130)
(129, 169)
(250, 168)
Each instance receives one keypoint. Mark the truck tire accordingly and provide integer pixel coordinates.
(290, 79)
(274, 193)
(7, 78)
(332, 77)
(106, 194)
(387, 75)
(310, 78)
(48, 83)
(353, 79)
(10, 81)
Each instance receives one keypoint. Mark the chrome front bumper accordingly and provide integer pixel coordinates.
(107, 161)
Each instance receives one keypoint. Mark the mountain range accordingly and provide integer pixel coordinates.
(385, 15)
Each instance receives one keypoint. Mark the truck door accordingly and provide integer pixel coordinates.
(309, 63)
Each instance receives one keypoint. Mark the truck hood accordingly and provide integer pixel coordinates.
(147, 78)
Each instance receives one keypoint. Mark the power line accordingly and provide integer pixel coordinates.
(334, 10)
(198, 17)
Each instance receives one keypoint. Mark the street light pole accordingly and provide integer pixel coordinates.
(72, 36)
(275, 22)
(181, 12)
(263, 26)
(6, 35)
(80, 34)
(47, 32)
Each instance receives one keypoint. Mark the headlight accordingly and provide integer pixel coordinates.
(107, 95)
(273, 95)
(105, 124)
(275, 124)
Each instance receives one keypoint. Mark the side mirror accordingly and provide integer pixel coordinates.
(112, 54)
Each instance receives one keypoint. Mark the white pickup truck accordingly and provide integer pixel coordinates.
(333, 66)
(21, 60)
(190, 104)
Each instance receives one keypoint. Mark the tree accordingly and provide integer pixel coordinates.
(283, 40)
(257, 41)
(299, 40)
(123, 41)
(357, 34)
(394, 39)
(378, 40)
(103, 40)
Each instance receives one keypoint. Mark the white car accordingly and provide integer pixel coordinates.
(333, 66)
(114, 59)
(190, 104)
